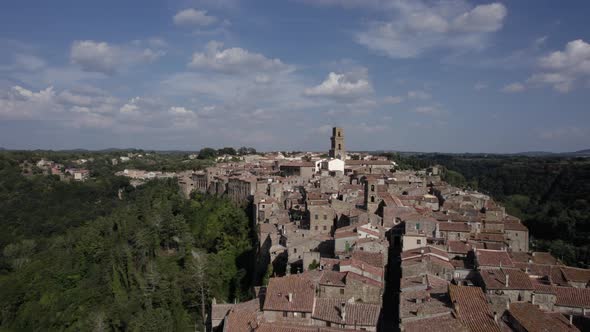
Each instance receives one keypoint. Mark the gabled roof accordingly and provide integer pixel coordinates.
(333, 278)
(531, 318)
(240, 320)
(341, 311)
(454, 227)
(497, 258)
(301, 289)
(446, 323)
(506, 279)
(471, 307)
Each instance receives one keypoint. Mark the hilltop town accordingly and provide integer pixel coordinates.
(349, 242)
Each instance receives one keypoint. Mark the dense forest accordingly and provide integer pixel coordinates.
(550, 194)
(76, 257)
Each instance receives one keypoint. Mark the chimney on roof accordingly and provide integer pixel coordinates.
(290, 297)
(533, 298)
(343, 310)
(507, 278)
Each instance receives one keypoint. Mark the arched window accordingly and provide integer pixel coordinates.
(372, 187)
(338, 134)
(372, 199)
(339, 147)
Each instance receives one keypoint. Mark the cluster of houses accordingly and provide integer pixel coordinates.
(65, 173)
(335, 233)
(138, 177)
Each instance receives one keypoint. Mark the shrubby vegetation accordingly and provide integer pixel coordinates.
(76, 258)
(550, 194)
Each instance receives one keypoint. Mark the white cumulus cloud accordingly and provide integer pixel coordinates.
(340, 85)
(562, 69)
(234, 60)
(416, 27)
(193, 16)
(102, 57)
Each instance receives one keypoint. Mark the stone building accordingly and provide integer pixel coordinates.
(337, 149)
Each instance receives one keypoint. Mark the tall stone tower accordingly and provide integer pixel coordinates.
(337, 149)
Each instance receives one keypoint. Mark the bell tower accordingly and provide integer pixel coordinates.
(337, 149)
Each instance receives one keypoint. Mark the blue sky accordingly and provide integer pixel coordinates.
(411, 75)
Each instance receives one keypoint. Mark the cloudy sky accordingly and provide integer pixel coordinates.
(413, 75)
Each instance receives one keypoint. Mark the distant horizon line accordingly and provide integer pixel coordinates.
(112, 149)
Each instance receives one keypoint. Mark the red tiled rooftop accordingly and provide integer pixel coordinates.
(496, 279)
(531, 318)
(446, 323)
(495, 258)
(454, 227)
(360, 314)
(277, 294)
(471, 307)
(333, 278)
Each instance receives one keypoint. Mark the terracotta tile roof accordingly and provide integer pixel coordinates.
(536, 257)
(574, 274)
(461, 263)
(454, 227)
(364, 280)
(446, 323)
(531, 318)
(471, 307)
(418, 252)
(329, 263)
(496, 279)
(497, 258)
(372, 258)
(301, 289)
(459, 247)
(276, 327)
(423, 303)
(491, 237)
(240, 321)
(297, 164)
(566, 296)
(333, 278)
(359, 314)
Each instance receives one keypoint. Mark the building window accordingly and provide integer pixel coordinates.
(285, 314)
(303, 314)
(418, 241)
(417, 226)
(325, 227)
(339, 147)
(294, 250)
(372, 187)
(316, 217)
(325, 217)
(341, 290)
(316, 227)
(372, 199)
